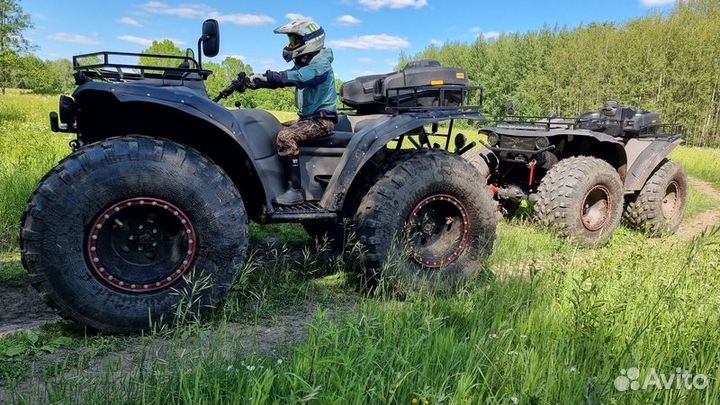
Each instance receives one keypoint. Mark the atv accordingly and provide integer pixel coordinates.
(583, 175)
(163, 181)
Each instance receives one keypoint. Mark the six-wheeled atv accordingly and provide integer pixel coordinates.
(163, 181)
(583, 175)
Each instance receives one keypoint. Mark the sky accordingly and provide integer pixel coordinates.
(366, 36)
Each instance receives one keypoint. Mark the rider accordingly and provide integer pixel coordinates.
(312, 74)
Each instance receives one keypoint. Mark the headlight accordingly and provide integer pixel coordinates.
(542, 142)
(492, 138)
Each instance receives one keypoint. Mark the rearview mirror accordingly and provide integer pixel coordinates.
(210, 38)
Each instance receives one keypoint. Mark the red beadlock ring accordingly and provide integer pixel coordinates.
(443, 262)
(106, 275)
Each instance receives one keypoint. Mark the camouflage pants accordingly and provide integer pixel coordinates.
(302, 130)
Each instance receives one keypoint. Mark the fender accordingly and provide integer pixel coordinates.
(371, 139)
(648, 160)
(179, 98)
(177, 113)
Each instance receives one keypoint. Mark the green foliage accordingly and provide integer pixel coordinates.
(226, 71)
(13, 23)
(667, 63)
(164, 47)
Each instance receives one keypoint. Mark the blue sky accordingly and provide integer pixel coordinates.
(366, 35)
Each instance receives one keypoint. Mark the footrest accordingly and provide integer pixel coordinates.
(299, 212)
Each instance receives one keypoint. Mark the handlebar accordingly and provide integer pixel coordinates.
(240, 84)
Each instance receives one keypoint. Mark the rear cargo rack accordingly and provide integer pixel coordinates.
(448, 97)
(103, 67)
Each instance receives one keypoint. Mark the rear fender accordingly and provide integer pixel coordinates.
(645, 155)
(371, 140)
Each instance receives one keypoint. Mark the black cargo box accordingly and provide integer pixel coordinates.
(417, 85)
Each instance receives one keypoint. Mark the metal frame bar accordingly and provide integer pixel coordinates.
(96, 70)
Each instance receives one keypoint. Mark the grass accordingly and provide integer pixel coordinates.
(702, 163)
(555, 325)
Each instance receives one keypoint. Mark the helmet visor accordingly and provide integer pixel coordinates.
(294, 41)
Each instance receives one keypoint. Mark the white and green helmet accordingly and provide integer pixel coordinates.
(304, 36)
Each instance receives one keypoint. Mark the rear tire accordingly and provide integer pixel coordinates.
(108, 234)
(582, 198)
(431, 211)
(659, 207)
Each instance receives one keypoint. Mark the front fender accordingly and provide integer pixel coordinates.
(370, 140)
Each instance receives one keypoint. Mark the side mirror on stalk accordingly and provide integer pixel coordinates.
(210, 38)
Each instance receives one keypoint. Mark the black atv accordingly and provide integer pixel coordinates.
(583, 175)
(163, 181)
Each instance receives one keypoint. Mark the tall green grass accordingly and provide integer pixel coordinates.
(561, 334)
(703, 163)
(28, 149)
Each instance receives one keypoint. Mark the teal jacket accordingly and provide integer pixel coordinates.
(317, 96)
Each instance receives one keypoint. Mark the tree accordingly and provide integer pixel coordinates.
(164, 47)
(13, 22)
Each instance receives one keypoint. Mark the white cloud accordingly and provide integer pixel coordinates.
(129, 21)
(243, 19)
(182, 11)
(436, 42)
(73, 38)
(491, 35)
(487, 35)
(380, 4)
(656, 3)
(146, 41)
(239, 57)
(135, 40)
(347, 19)
(365, 60)
(296, 16)
(381, 42)
(203, 11)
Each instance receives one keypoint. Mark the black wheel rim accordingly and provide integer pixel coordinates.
(437, 231)
(141, 245)
(596, 208)
(670, 200)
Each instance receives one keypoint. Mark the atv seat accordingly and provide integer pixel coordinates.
(344, 130)
(337, 139)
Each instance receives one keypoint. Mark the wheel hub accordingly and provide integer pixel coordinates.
(141, 245)
(596, 208)
(437, 231)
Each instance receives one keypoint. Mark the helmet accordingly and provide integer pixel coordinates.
(304, 36)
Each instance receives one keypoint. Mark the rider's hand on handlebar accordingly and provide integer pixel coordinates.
(258, 80)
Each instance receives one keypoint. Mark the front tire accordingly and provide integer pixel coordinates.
(582, 198)
(117, 229)
(660, 205)
(432, 211)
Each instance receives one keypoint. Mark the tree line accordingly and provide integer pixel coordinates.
(668, 63)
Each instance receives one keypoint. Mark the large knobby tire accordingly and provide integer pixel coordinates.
(582, 198)
(431, 212)
(660, 205)
(478, 158)
(115, 231)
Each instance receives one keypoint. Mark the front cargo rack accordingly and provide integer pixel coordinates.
(104, 66)
(530, 123)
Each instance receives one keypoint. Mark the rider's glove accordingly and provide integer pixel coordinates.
(258, 80)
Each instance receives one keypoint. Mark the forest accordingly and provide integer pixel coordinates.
(668, 63)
